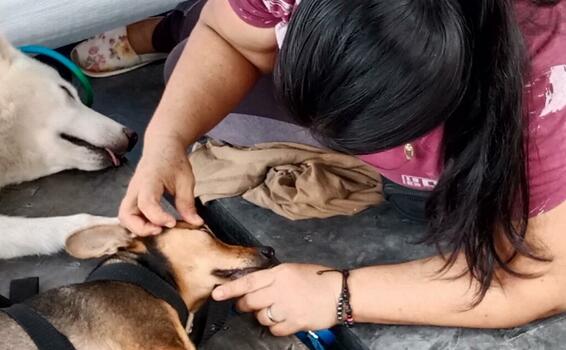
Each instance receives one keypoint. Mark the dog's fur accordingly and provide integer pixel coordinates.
(113, 315)
(45, 129)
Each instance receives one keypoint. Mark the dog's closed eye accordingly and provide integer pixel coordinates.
(66, 89)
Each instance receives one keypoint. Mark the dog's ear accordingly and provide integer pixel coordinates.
(6, 50)
(98, 241)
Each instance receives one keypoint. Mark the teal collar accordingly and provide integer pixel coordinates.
(88, 96)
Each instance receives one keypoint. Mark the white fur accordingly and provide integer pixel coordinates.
(28, 236)
(34, 111)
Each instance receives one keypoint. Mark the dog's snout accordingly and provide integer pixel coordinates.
(132, 138)
(267, 252)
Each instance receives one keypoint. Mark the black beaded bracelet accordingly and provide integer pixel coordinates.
(344, 312)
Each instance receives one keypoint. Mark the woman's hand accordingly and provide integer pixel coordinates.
(164, 166)
(191, 107)
(288, 298)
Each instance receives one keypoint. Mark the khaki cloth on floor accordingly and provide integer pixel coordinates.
(294, 181)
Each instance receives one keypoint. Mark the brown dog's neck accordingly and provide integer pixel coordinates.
(146, 253)
(149, 256)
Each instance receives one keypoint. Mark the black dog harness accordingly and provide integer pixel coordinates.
(41, 332)
(145, 279)
(47, 337)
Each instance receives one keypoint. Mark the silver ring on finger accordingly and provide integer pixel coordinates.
(269, 314)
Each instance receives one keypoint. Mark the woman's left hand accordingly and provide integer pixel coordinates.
(287, 298)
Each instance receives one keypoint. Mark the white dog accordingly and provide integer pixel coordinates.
(45, 129)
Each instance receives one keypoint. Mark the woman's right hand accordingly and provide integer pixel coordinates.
(191, 107)
(164, 167)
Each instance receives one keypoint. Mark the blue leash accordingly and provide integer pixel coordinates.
(88, 98)
(319, 340)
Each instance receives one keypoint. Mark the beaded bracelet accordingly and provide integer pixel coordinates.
(344, 312)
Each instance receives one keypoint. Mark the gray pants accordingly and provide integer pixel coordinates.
(258, 118)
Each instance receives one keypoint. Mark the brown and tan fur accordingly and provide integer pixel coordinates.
(113, 315)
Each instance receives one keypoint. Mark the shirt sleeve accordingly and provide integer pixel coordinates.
(547, 140)
(263, 13)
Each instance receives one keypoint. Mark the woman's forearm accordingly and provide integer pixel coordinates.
(414, 293)
(210, 79)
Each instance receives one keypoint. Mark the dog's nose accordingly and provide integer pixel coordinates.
(267, 252)
(132, 138)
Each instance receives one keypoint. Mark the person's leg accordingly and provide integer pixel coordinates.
(162, 34)
(248, 130)
(140, 35)
(127, 48)
(177, 25)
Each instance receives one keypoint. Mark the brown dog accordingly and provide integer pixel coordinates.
(115, 315)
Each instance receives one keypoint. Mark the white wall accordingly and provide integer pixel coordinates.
(55, 23)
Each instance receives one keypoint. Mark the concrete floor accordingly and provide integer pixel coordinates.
(375, 236)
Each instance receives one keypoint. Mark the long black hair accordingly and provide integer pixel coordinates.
(369, 75)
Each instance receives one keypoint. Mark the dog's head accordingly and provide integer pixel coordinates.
(43, 120)
(193, 257)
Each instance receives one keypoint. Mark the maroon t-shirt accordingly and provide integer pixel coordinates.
(418, 164)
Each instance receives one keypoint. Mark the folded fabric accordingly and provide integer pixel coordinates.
(295, 181)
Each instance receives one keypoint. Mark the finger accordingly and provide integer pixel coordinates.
(139, 226)
(255, 301)
(132, 219)
(150, 207)
(185, 200)
(282, 329)
(247, 284)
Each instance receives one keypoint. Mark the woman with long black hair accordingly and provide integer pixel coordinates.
(463, 98)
